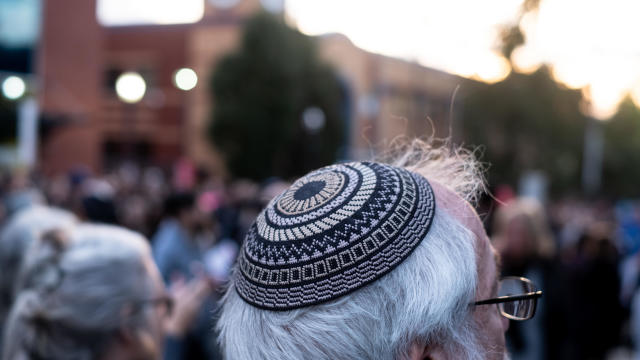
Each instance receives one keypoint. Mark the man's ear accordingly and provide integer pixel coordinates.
(133, 341)
(421, 352)
(125, 334)
(128, 336)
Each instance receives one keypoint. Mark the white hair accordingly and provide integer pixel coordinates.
(424, 301)
(22, 229)
(456, 168)
(76, 291)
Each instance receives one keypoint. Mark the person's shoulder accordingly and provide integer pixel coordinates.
(166, 230)
(165, 239)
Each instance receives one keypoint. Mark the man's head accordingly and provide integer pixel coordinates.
(419, 259)
(89, 293)
(22, 229)
(183, 207)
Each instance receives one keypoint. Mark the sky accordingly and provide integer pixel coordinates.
(589, 44)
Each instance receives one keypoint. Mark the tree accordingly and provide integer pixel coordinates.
(530, 122)
(260, 93)
(621, 161)
(527, 122)
(511, 35)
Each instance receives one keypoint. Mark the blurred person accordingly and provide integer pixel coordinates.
(524, 240)
(133, 213)
(189, 298)
(21, 193)
(154, 182)
(21, 230)
(128, 174)
(246, 199)
(628, 235)
(92, 296)
(595, 314)
(174, 245)
(372, 261)
(58, 191)
(184, 175)
(240, 210)
(179, 248)
(98, 201)
(155, 189)
(522, 233)
(95, 293)
(635, 323)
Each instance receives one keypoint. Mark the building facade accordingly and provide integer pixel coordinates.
(79, 61)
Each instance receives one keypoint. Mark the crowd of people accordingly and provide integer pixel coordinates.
(132, 264)
(574, 254)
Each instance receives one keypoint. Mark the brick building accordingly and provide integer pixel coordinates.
(79, 60)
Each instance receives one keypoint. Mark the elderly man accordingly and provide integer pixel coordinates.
(93, 292)
(22, 229)
(373, 261)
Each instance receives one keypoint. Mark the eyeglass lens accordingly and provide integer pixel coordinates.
(517, 309)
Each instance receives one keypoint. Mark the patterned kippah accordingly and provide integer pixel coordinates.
(333, 231)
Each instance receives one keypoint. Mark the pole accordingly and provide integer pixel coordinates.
(27, 132)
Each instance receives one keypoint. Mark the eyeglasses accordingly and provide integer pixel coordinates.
(517, 298)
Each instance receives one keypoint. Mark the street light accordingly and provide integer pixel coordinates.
(130, 87)
(185, 79)
(313, 119)
(13, 87)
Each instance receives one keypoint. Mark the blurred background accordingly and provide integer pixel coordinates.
(131, 111)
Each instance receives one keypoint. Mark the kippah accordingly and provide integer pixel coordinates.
(333, 231)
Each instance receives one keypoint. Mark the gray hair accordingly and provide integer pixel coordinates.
(76, 293)
(18, 234)
(425, 300)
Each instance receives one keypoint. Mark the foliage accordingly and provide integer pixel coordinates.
(511, 35)
(510, 38)
(621, 164)
(527, 122)
(531, 122)
(259, 95)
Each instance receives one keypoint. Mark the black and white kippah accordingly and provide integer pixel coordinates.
(333, 231)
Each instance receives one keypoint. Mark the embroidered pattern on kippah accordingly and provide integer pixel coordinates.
(333, 231)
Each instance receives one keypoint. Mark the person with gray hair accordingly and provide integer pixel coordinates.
(93, 293)
(22, 229)
(367, 260)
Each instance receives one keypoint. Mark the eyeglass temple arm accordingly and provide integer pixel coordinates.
(501, 299)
